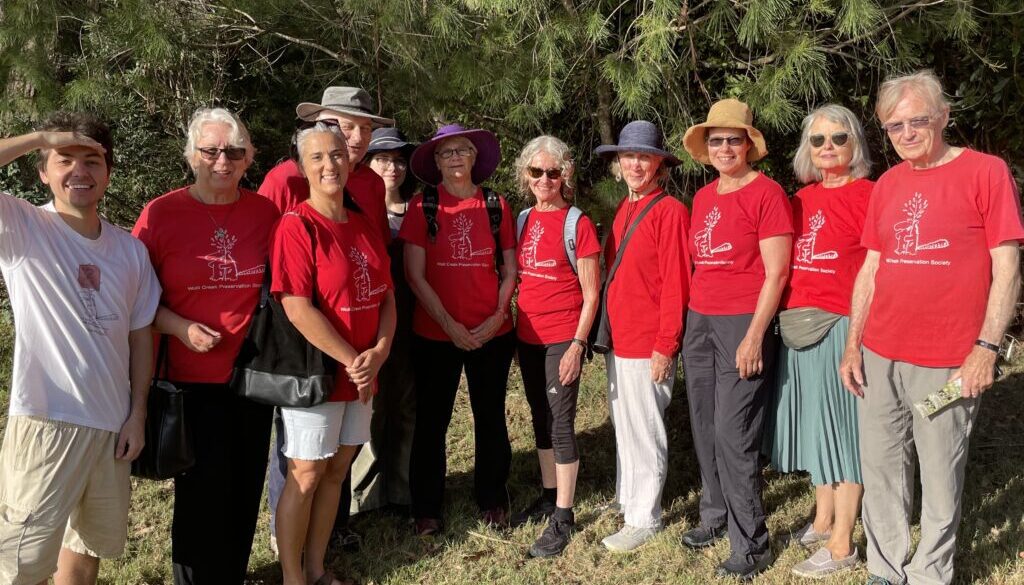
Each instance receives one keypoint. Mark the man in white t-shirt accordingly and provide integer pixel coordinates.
(83, 294)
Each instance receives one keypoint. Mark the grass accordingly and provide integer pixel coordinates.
(991, 533)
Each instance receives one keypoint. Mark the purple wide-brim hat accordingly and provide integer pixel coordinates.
(488, 154)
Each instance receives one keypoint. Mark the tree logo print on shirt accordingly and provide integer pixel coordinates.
(89, 283)
(805, 244)
(462, 245)
(223, 267)
(702, 238)
(908, 231)
(364, 284)
(528, 257)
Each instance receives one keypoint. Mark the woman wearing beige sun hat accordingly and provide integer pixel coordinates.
(740, 240)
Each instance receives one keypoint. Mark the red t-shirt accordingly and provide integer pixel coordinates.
(727, 268)
(460, 263)
(647, 298)
(827, 253)
(933, 229)
(286, 187)
(550, 296)
(353, 274)
(210, 260)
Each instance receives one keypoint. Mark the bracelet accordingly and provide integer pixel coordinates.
(580, 342)
(987, 345)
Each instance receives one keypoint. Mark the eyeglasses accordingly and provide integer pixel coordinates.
(718, 141)
(916, 123)
(837, 139)
(386, 161)
(462, 151)
(553, 174)
(212, 153)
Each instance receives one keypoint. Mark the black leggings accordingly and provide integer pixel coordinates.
(552, 405)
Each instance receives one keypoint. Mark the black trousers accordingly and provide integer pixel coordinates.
(217, 502)
(552, 405)
(438, 366)
(727, 419)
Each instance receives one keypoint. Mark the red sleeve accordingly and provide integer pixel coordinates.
(146, 234)
(291, 258)
(382, 212)
(414, 226)
(587, 243)
(999, 204)
(673, 263)
(507, 230)
(776, 216)
(869, 237)
(275, 187)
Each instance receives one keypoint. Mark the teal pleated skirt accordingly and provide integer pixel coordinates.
(812, 422)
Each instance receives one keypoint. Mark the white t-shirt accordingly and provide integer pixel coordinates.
(74, 301)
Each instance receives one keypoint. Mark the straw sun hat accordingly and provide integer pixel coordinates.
(727, 113)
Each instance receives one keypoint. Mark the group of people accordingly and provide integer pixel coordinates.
(807, 328)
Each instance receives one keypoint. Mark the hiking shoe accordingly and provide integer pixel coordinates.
(807, 536)
(702, 537)
(629, 538)
(876, 580)
(554, 539)
(345, 539)
(745, 567)
(821, 564)
(427, 527)
(539, 511)
(495, 517)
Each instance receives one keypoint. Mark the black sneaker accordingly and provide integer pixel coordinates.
(539, 511)
(345, 539)
(745, 567)
(702, 537)
(554, 539)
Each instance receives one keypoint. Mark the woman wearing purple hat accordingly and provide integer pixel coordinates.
(460, 263)
(646, 291)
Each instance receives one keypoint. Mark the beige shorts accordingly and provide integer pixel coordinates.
(60, 485)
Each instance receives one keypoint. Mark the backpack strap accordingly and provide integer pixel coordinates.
(572, 220)
(493, 202)
(430, 202)
(524, 216)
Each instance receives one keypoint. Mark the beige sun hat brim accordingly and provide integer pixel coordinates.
(727, 113)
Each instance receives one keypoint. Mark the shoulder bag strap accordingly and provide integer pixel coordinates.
(572, 220)
(629, 233)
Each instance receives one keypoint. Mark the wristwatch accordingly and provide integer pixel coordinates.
(580, 342)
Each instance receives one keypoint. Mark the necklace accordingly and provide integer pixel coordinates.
(218, 226)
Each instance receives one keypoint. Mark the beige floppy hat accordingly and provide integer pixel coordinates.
(727, 113)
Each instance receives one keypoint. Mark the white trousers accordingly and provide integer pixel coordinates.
(637, 406)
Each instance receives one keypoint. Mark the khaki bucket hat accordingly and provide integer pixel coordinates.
(727, 113)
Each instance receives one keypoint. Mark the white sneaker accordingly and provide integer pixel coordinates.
(629, 538)
(273, 545)
(821, 564)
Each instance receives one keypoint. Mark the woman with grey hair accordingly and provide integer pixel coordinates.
(558, 296)
(209, 244)
(331, 272)
(813, 425)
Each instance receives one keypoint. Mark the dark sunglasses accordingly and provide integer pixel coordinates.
(718, 141)
(536, 173)
(213, 153)
(307, 124)
(838, 139)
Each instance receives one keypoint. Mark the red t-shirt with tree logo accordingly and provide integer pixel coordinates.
(550, 297)
(460, 262)
(827, 253)
(725, 244)
(933, 229)
(353, 274)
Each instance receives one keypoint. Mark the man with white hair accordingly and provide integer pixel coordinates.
(930, 305)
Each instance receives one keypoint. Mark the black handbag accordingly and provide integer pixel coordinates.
(168, 449)
(601, 332)
(276, 364)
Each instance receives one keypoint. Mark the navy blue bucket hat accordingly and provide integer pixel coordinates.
(639, 136)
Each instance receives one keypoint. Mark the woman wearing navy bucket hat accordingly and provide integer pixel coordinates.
(645, 296)
(460, 263)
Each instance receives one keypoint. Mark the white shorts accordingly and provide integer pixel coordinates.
(315, 433)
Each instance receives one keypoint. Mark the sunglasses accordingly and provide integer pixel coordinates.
(916, 123)
(212, 153)
(553, 174)
(718, 141)
(838, 139)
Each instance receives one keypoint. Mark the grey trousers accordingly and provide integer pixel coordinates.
(727, 419)
(892, 432)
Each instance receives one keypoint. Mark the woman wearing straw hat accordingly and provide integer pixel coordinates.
(457, 237)
(740, 248)
(645, 297)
